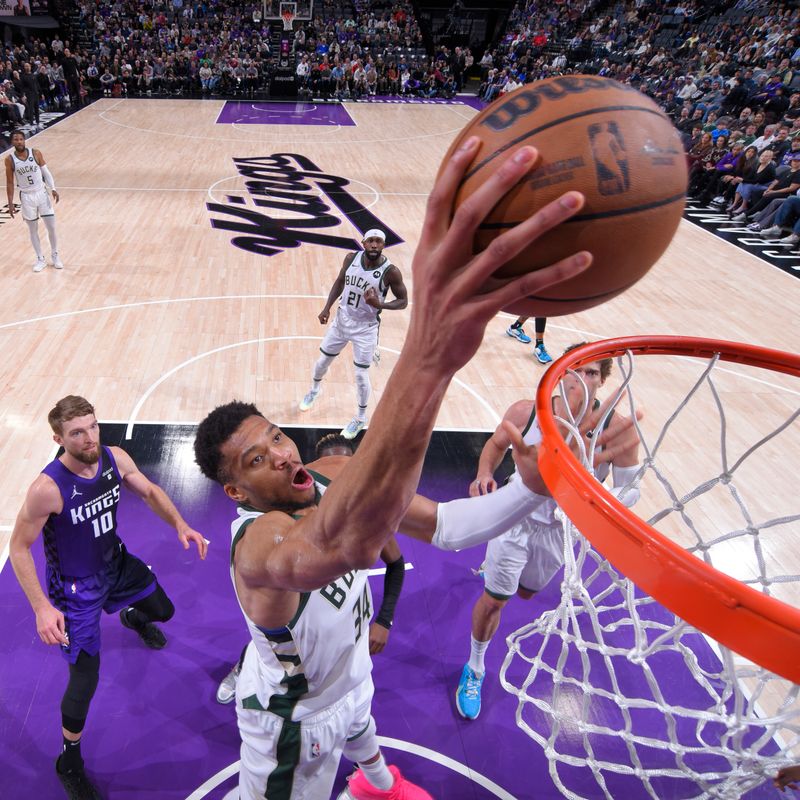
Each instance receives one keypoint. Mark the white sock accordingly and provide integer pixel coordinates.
(315, 384)
(476, 652)
(361, 414)
(50, 224)
(33, 230)
(377, 773)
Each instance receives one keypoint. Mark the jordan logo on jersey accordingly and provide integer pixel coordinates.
(282, 208)
(75, 492)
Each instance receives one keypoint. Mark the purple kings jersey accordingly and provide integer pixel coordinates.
(82, 539)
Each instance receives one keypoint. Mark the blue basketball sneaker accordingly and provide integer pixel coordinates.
(468, 694)
(518, 334)
(542, 356)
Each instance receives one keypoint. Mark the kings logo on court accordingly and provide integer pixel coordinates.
(290, 201)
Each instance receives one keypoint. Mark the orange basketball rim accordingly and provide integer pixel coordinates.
(759, 627)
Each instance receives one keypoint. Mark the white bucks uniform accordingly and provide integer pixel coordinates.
(304, 689)
(33, 197)
(529, 554)
(357, 321)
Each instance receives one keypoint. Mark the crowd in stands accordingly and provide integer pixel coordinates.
(728, 74)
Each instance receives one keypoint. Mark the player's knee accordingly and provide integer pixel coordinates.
(492, 603)
(83, 677)
(165, 609)
(364, 745)
(156, 607)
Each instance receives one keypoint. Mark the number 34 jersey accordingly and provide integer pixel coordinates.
(82, 539)
(322, 653)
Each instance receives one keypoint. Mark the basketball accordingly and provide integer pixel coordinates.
(599, 137)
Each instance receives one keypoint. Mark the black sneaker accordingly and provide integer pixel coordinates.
(76, 784)
(152, 636)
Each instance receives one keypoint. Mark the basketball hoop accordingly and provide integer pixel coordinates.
(656, 600)
(287, 15)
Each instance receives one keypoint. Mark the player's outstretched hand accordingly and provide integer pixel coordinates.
(788, 776)
(526, 460)
(619, 442)
(452, 304)
(187, 535)
(50, 625)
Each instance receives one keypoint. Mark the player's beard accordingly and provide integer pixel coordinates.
(86, 457)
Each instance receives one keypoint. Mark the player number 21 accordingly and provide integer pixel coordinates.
(353, 299)
(362, 610)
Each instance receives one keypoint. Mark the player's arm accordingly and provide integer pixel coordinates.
(10, 185)
(468, 522)
(496, 445)
(394, 280)
(392, 586)
(623, 454)
(451, 310)
(336, 290)
(49, 181)
(42, 499)
(158, 500)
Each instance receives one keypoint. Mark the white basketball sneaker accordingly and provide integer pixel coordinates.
(353, 428)
(309, 400)
(39, 264)
(57, 262)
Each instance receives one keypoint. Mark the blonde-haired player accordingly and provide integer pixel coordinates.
(27, 167)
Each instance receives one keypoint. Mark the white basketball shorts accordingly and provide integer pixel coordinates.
(526, 556)
(362, 335)
(295, 760)
(35, 204)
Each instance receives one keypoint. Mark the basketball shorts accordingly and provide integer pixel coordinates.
(294, 760)
(525, 557)
(35, 204)
(125, 580)
(362, 335)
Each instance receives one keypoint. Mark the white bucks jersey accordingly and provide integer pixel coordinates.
(532, 435)
(28, 173)
(357, 279)
(322, 653)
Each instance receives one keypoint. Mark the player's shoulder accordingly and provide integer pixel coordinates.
(44, 496)
(328, 467)
(519, 412)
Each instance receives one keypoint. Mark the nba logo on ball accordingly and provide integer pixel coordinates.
(611, 164)
(604, 139)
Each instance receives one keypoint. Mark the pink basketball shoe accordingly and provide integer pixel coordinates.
(359, 788)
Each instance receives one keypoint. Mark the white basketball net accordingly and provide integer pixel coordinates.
(615, 688)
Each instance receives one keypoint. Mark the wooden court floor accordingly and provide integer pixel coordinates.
(157, 316)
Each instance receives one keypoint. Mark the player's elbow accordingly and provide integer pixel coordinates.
(362, 556)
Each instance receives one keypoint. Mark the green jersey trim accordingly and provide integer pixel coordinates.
(237, 538)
